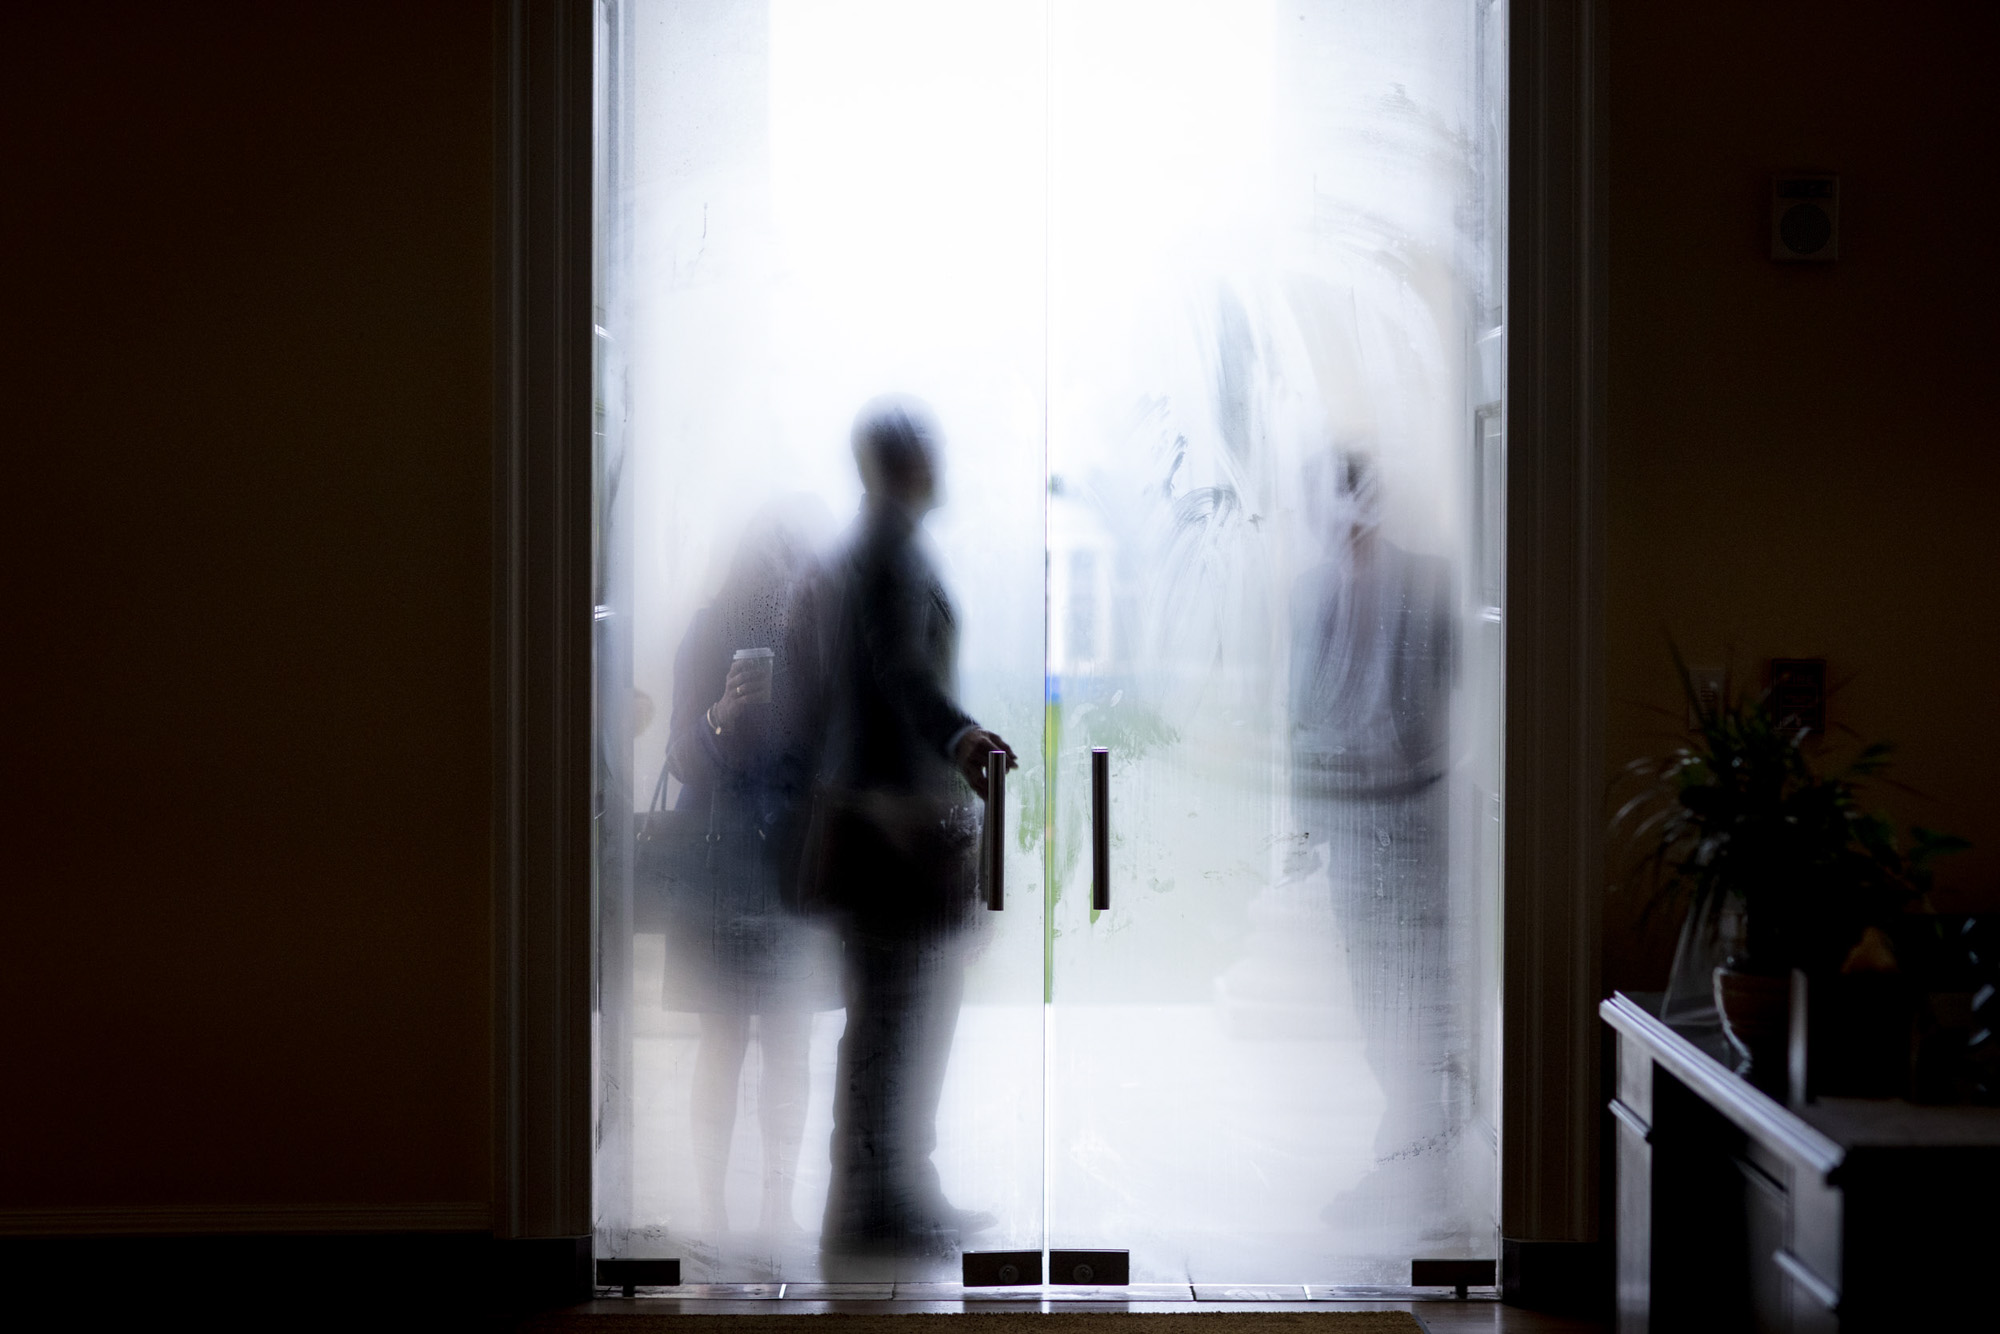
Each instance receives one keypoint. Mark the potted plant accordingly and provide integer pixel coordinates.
(1776, 860)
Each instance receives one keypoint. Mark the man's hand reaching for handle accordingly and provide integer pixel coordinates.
(973, 748)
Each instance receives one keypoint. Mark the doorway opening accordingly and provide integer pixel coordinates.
(1204, 306)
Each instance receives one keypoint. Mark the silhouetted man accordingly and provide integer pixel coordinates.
(1372, 665)
(893, 848)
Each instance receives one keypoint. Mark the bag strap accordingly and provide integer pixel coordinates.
(658, 805)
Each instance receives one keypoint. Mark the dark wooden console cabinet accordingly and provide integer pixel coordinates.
(1739, 1212)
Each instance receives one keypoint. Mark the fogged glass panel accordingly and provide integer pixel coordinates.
(809, 204)
(1274, 448)
(1197, 313)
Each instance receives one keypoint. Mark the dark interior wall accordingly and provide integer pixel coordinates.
(244, 930)
(246, 299)
(1802, 457)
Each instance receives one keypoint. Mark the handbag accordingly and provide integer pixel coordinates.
(677, 857)
(900, 857)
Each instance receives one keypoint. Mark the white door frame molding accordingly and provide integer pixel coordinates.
(543, 606)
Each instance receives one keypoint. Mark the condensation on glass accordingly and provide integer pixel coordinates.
(1206, 301)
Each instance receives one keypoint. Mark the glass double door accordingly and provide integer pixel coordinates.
(1204, 300)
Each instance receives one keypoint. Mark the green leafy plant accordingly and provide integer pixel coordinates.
(1740, 810)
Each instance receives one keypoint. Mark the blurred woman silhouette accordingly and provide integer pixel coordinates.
(736, 953)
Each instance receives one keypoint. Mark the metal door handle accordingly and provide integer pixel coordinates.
(995, 845)
(1100, 828)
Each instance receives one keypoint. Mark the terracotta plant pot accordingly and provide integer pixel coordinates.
(1756, 1018)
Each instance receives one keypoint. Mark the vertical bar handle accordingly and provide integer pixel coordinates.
(1100, 828)
(995, 844)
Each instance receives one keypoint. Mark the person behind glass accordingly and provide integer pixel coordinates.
(1371, 676)
(736, 952)
(893, 853)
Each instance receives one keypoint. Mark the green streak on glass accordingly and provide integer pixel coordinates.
(1051, 890)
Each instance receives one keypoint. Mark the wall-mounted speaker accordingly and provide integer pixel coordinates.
(1805, 216)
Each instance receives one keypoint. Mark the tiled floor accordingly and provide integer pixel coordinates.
(1439, 1313)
